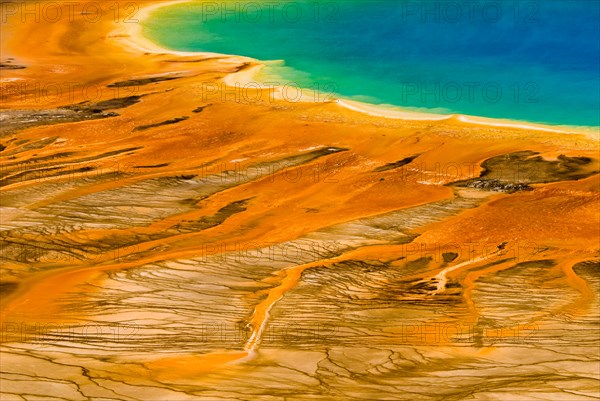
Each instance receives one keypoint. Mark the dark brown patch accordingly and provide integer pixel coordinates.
(515, 172)
(167, 122)
(140, 82)
(395, 165)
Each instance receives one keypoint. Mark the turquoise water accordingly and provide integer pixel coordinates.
(534, 61)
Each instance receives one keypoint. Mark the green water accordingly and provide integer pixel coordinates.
(529, 61)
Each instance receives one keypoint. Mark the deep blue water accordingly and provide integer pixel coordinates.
(535, 61)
